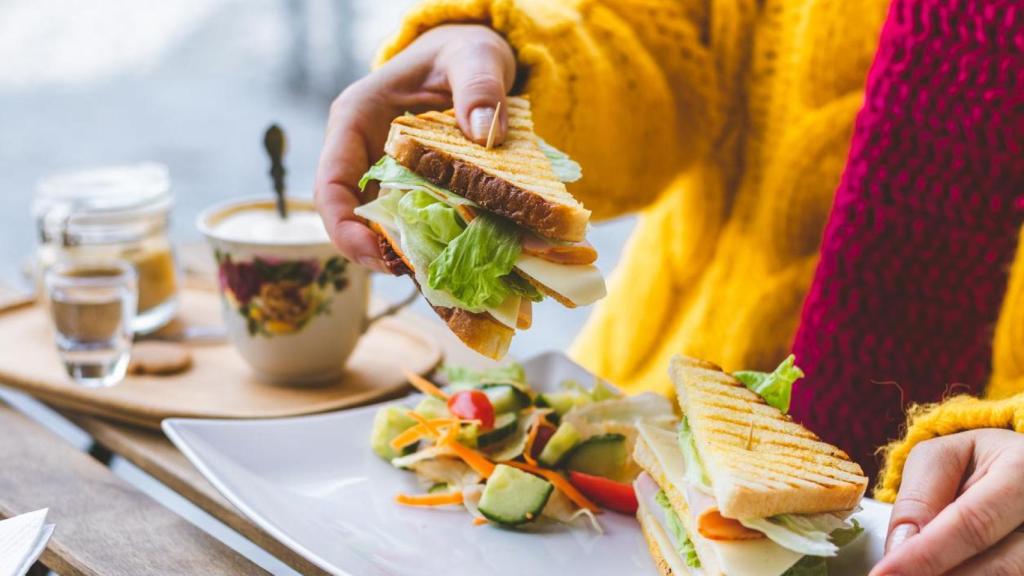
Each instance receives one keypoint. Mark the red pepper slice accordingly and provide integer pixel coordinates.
(606, 493)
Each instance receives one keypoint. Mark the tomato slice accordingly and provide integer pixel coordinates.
(606, 493)
(472, 405)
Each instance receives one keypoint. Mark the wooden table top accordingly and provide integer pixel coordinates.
(153, 453)
(103, 524)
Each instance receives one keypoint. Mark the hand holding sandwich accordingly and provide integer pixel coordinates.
(468, 66)
(960, 508)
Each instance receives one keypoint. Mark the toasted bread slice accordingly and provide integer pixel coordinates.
(647, 527)
(760, 462)
(514, 180)
(480, 332)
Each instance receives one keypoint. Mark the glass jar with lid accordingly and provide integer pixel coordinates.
(116, 213)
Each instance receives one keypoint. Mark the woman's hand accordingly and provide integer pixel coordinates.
(960, 508)
(469, 66)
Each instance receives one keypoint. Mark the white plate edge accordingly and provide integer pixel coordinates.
(168, 426)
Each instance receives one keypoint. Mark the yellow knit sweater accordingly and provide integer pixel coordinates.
(726, 124)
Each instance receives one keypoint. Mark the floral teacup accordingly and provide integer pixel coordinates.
(294, 308)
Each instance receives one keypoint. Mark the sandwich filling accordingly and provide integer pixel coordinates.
(782, 545)
(464, 257)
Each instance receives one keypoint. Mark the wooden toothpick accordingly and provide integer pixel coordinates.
(750, 434)
(494, 124)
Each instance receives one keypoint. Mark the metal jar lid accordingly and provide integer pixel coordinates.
(101, 204)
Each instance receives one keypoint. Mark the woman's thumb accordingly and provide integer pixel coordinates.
(479, 77)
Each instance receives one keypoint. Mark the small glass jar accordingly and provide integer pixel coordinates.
(103, 215)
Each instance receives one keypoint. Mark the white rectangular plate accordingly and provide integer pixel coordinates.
(314, 484)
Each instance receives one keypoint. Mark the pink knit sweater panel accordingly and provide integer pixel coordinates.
(924, 225)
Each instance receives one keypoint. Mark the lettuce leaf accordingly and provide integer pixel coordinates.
(810, 534)
(847, 534)
(776, 387)
(695, 472)
(473, 265)
(387, 170)
(566, 169)
(808, 566)
(456, 265)
(686, 548)
(393, 175)
(512, 372)
(520, 287)
(424, 227)
(816, 565)
(435, 222)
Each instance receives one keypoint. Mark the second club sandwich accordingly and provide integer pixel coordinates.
(739, 489)
(485, 232)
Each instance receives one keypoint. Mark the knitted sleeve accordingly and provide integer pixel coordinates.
(628, 88)
(1007, 352)
(957, 414)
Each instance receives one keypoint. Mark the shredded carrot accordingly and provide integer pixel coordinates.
(560, 482)
(474, 459)
(478, 521)
(424, 428)
(425, 423)
(450, 434)
(430, 499)
(423, 385)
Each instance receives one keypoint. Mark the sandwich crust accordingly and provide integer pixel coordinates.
(761, 462)
(514, 180)
(545, 290)
(480, 331)
(652, 546)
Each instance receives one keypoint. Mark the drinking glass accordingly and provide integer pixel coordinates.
(92, 306)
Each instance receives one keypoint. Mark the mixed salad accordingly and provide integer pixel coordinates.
(514, 456)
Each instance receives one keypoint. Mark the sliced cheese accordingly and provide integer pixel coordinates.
(735, 558)
(508, 312)
(652, 516)
(437, 192)
(582, 285)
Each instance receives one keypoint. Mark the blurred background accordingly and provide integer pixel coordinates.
(193, 84)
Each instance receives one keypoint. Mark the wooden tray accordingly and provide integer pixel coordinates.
(219, 384)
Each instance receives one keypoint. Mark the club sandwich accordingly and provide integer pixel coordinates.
(485, 232)
(739, 488)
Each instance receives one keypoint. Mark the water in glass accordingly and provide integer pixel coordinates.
(92, 309)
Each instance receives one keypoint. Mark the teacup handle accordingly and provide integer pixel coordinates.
(392, 309)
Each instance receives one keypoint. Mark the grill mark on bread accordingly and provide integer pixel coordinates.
(782, 468)
(493, 193)
(515, 180)
(745, 418)
(770, 440)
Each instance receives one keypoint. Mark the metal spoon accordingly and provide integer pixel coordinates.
(276, 143)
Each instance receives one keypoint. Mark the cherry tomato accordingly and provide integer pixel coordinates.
(606, 493)
(472, 405)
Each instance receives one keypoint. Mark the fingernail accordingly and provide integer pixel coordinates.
(899, 535)
(370, 262)
(480, 122)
